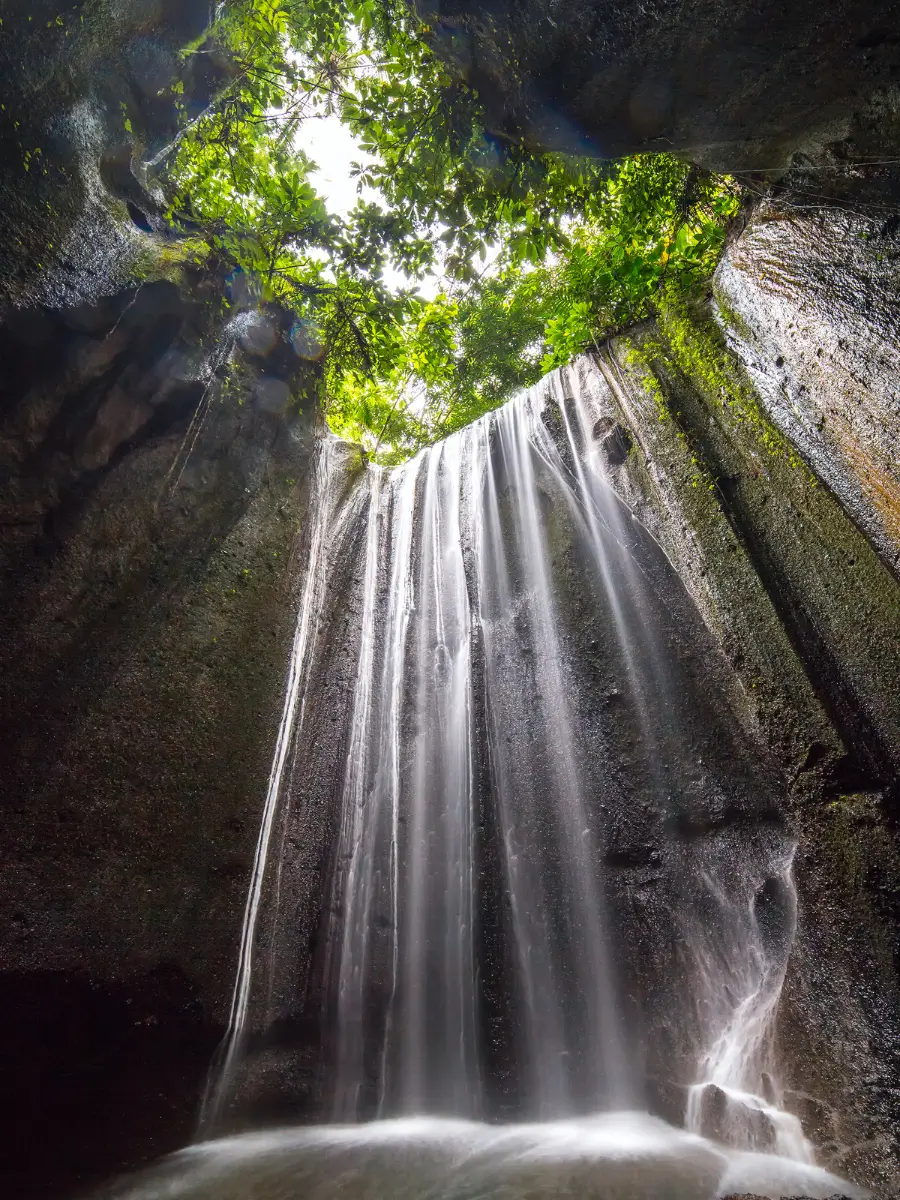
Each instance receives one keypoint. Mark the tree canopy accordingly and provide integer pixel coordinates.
(577, 247)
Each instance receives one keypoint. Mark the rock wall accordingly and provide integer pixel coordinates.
(809, 303)
(731, 86)
(156, 464)
(787, 547)
(87, 93)
(156, 460)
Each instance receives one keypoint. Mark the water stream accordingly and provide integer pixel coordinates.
(312, 600)
(560, 891)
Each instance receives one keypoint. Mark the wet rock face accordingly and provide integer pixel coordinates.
(730, 86)
(809, 303)
(796, 580)
(152, 534)
(86, 93)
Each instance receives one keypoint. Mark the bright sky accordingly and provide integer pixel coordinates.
(333, 148)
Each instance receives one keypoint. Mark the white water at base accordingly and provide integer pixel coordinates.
(615, 1156)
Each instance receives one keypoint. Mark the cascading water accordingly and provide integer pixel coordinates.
(543, 904)
(407, 836)
(291, 725)
(738, 1064)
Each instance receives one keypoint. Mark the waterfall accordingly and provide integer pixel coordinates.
(291, 725)
(738, 1064)
(557, 886)
(550, 847)
(427, 1053)
(407, 961)
(433, 940)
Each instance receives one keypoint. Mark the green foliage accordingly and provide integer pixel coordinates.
(697, 347)
(656, 232)
(240, 188)
(688, 338)
(661, 226)
(581, 247)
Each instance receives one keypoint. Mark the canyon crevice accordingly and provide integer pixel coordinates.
(158, 460)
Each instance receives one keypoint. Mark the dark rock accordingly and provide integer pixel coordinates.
(117, 419)
(73, 206)
(611, 78)
(815, 296)
(134, 746)
(110, 1067)
(722, 1117)
(258, 334)
(616, 445)
(272, 395)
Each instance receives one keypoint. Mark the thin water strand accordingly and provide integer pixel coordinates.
(312, 598)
